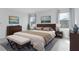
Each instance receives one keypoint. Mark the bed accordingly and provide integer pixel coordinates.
(38, 38)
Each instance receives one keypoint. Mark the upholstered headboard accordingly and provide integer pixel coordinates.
(12, 29)
(53, 26)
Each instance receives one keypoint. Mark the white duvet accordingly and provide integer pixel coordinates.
(37, 41)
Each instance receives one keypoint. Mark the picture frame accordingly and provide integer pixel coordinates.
(46, 19)
(13, 20)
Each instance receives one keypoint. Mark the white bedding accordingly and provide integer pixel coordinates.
(38, 42)
(52, 33)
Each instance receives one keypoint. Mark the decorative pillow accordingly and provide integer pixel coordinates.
(47, 29)
(51, 29)
(39, 28)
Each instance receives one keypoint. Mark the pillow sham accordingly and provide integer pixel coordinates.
(47, 29)
(39, 28)
(51, 29)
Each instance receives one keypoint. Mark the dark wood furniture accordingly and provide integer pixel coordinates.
(13, 29)
(53, 26)
(59, 34)
(10, 31)
(74, 41)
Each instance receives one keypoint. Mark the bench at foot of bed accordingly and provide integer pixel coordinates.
(18, 42)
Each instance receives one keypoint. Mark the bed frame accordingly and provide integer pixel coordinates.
(53, 26)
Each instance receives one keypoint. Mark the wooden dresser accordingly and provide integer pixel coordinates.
(13, 29)
(74, 41)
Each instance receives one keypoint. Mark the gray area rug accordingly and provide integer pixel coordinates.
(6, 45)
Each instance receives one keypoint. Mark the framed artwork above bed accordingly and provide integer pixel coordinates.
(13, 20)
(46, 19)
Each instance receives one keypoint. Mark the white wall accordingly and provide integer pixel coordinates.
(4, 18)
(51, 12)
(3, 22)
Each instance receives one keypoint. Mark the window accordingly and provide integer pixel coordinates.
(32, 21)
(64, 19)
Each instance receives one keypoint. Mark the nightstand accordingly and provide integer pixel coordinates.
(59, 34)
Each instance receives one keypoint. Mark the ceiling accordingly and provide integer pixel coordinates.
(29, 10)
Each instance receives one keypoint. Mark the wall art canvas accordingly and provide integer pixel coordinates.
(13, 20)
(46, 19)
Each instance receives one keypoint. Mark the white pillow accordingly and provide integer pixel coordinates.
(46, 28)
(38, 28)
